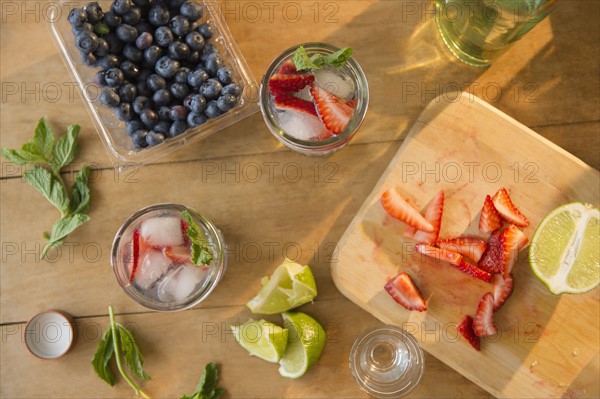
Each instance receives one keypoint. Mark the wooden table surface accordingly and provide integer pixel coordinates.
(297, 206)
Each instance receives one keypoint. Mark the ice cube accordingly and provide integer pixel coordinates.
(180, 283)
(162, 231)
(301, 125)
(153, 266)
(304, 94)
(335, 82)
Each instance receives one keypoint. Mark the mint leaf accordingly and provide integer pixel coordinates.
(21, 157)
(133, 356)
(62, 228)
(66, 148)
(339, 58)
(49, 186)
(43, 139)
(201, 253)
(102, 356)
(80, 194)
(207, 386)
(303, 61)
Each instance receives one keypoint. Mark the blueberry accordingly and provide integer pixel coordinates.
(144, 40)
(133, 16)
(197, 77)
(149, 118)
(133, 126)
(211, 89)
(164, 113)
(141, 103)
(144, 27)
(182, 75)
(162, 97)
(179, 90)
(130, 70)
(177, 128)
(101, 29)
(139, 138)
(162, 127)
(103, 48)
(194, 40)
(114, 44)
(159, 15)
(109, 97)
(128, 92)
(178, 113)
(205, 30)
(176, 4)
(114, 77)
(226, 102)
(152, 54)
(127, 33)
(224, 75)
(122, 6)
(88, 59)
(143, 89)
(144, 74)
(179, 25)
(232, 88)
(86, 27)
(179, 51)
(94, 12)
(156, 82)
(191, 10)
(197, 103)
(112, 19)
(86, 42)
(77, 17)
(163, 36)
(99, 78)
(124, 112)
(213, 64)
(212, 110)
(110, 61)
(193, 58)
(132, 53)
(195, 119)
(153, 138)
(166, 67)
(209, 51)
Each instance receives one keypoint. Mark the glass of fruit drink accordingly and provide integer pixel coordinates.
(167, 257)
(314, 98)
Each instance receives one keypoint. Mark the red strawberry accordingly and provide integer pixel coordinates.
(465, 328)
(285, 83)
(397, 207)
(440, 254)
(474, 271)
(288, 68)
(489, 220)
(138, 247)
(507, 209)
(352, 103)
(503, 287)
(184, 227)
(483, 324)
(404, 291)
(286, 101)
(333, 111)
(177, 254)
(471, 247)
(512, 241)
(433, 214)
(492, 260)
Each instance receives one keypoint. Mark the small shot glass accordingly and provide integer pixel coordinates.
(308, 136)
(386, 362)
(50, 335)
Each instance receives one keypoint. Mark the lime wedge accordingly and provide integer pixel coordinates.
(261, 339)
(565, 249)
(305, 344)
(290, 286)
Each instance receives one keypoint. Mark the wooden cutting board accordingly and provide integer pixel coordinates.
(470, 149)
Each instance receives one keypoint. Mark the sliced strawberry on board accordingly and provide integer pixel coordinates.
(178, 254)
(439, 254)
(507, 209)
(489, 220)
(492, 260)
(465, 328)
(471, 247)
(433, 214)
(483, 323)
(404, 291)
(285, 101)
(474, 271)
(512, 241)
(288, 68)
(503, 288)
(286, 83)
(333, 111)
(399, 208)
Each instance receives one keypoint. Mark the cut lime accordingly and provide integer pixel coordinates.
(290, 286)
(262, 339)
(565, 249)
(305, 344)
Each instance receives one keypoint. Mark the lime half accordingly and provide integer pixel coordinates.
(290, 286)
(261, 339)
(565, 249)
(305, 344)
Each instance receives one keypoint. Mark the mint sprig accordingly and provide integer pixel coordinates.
(48, 156)
(303, 61)
(201, 252)
(207, 386)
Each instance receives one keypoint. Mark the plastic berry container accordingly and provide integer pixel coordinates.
(118, 144)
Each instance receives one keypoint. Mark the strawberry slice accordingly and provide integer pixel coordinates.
(285, 101)
(178, 254)
(512, 241)
(288, 68)
(138, 247)
(352, 103)
(333, 111)
(404, 291)
(286, 83)
(399, 208)
(489, 220)
(492, 260)
(471, 247)
(507, 209)
(439, 254)
(465, 328)
(483, 324)
(474, 271)
(433, 214)
(503, 288)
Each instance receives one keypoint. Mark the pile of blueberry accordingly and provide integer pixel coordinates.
(158, 70)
